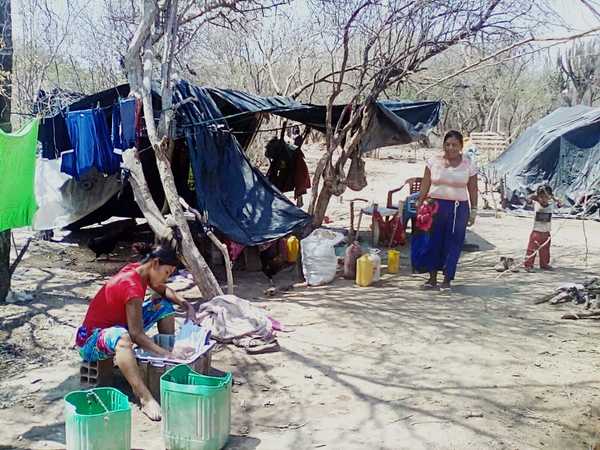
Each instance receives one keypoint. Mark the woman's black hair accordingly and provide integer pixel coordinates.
(544, 189)
(454, 134)
(166, 255)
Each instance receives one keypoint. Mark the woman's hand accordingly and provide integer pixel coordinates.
(190, 313)
(472, 217)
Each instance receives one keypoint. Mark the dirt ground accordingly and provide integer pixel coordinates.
(384, 367)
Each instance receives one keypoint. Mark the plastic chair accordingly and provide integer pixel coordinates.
(409, 210)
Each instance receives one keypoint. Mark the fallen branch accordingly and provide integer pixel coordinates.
(19, 257)
(289, 426)
(584, 315)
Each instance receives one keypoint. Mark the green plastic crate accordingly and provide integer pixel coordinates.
(98, 419)
(196, 409)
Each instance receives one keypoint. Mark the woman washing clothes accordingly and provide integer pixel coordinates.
(119, 317)
(450, 187)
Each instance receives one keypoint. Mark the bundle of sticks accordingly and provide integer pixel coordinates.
(587, 294)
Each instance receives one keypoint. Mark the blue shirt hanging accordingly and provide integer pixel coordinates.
(123, 124)
(92, 146)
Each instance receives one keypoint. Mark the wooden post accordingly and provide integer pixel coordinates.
(6, 63)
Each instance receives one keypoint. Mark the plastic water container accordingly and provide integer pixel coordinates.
(352, 253)
(98, 419)
(293, 249)
(196, 409)
(376, 259)
(364, 271)
(393, 261)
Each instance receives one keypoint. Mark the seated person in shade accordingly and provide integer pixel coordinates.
(119, 317)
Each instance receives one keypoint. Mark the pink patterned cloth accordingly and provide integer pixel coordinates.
(234, 249)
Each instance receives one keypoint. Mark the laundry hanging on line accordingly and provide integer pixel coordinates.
(123, 120)
(124, 124)
(17, 175)
(54, 136)
(92, 145)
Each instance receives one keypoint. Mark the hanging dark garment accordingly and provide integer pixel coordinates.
(92, 146)
(124, 124)
(54, 136)
(281, 171)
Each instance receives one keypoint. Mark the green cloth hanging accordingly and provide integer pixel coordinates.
(17, 176)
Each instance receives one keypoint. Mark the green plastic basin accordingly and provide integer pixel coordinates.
(97, 419)
(196, 409)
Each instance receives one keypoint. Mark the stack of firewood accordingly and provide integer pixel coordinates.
(586, 294)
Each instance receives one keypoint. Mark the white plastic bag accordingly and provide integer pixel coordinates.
(319, 261)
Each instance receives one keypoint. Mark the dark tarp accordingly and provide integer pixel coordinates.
(395, 122)
(562, 150)
(240, 201)
(240, 108)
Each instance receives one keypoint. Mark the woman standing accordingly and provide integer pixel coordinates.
(450, 184)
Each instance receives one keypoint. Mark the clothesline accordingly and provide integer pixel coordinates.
(259, 131)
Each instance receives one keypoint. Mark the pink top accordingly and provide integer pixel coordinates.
(450, 183)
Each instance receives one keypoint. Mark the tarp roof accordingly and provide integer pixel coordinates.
(238, 198)
(396, 121)
(240, 202)
(561, 149)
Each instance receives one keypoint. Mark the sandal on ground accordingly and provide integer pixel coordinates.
(445, 287)
(429, 286)
(263, 347)
(502, 266)
(257, 346)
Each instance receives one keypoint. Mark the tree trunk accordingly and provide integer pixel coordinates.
(6, 63)
(321, 204)
(4, 264)
(194, 261)
(140, 68)
(203, 277)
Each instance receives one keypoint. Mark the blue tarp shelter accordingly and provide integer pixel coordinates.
(239, 200)
(561, 149)
(215, 127)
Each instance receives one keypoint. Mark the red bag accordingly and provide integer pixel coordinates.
(425, 214)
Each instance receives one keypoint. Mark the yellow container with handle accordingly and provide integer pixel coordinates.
(364, 270)
(293, 249)
(393, 261)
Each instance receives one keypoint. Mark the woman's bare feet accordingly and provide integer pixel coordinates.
(151, 409)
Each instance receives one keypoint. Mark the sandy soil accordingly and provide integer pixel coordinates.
(384, 367)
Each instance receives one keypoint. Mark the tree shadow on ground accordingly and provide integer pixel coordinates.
(54, 432)
(242, 443)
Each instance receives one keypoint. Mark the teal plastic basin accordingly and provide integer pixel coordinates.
(97, 419)
(196, 409)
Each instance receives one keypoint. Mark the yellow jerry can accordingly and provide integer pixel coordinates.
(364, 270)
(393, 261)
(293, 249)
